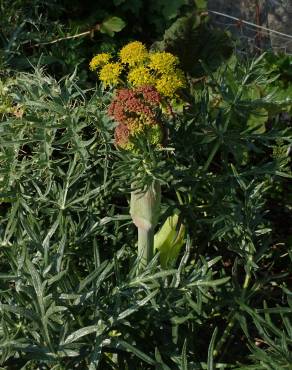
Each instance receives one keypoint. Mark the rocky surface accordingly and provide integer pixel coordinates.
(273, 14)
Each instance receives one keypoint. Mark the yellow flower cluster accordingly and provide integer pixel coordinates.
(110, 73)
(99, 60)
(140, 76)
(133, 53)
(157, 69)
(163, 62)
(168, 84)
(140, 126)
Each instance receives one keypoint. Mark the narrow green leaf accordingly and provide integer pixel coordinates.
(210, 283)
(137, 305)
(140, 279)
(73, 337)
(184, 360)
(128, 347)
(210, 362)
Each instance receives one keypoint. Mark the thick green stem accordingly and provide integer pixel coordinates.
(145, 206)
(145, 246)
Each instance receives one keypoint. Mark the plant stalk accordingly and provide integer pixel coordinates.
(145, 206)
(145, 246)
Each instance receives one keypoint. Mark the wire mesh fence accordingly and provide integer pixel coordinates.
(259, 24)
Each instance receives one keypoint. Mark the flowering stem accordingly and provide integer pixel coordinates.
(145, 246)
(145, 213)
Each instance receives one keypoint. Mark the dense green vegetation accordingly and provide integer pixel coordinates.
(71, 293)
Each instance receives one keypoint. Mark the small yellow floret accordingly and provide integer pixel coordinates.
(136, 126)
(155, 135)
(140, 128)
(133, 53)
(99, 60)
(110, 73)
(140, 76)
(163, 62)
(168, 84)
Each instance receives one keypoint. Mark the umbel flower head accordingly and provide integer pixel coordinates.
(110, 73)
(140, 76)
(163, 62)
(135, 111)
(133, 53)
(99, 60)
(137, 67)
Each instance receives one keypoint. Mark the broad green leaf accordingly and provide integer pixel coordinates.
(112, 25)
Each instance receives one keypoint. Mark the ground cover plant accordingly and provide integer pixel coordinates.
(76, 289)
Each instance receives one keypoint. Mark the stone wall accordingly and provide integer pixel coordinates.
(273, 14)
